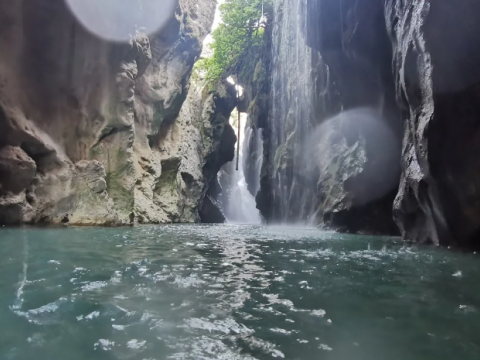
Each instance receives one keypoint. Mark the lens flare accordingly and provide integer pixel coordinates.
(356, 144)
(117, 20)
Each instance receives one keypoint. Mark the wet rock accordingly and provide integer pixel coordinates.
(211, 212)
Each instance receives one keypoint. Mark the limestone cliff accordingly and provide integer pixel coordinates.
(88, 127)
(193, 148)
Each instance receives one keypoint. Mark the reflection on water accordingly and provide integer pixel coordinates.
(232, 292)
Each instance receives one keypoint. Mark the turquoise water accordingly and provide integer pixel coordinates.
(233, 292)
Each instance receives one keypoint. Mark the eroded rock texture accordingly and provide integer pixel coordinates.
(359, 147)
(414, 64)
(193, 149)
(331, 65)
(84, 122)
(436, 57)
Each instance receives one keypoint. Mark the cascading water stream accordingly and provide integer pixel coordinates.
(291, 99)
(238, 204)
(253, 148)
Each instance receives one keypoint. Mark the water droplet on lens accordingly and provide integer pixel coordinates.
(116, 20)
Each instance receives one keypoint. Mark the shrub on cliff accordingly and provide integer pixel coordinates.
(235, 39)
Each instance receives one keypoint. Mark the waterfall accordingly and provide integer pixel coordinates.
(252, 162)
(238, 204)
(291, 99)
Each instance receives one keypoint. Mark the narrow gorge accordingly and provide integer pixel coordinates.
(239, 179)
(361, 117)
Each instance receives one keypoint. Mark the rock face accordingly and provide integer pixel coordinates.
(194, 147)
(331, 100)
(102, 133)
(428, 99)
(357, 106)
(87, 126)
(360, 126)
(436, 57)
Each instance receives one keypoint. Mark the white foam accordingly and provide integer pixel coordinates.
(226, 326)
(281, 331)
(48, 308)
(325, 347)
(104, 344)
(278, 354)
(92, 315)
(319, 312)
(136, 344)
(94, 285)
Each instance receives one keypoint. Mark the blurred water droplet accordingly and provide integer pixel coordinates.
(117, 20)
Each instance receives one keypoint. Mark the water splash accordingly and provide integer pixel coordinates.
(19, 295)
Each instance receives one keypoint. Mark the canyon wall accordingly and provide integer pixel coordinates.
(331, 107)
(406, 71)
(436, 48)
(359, 124)
(92, 132)
(368, 113)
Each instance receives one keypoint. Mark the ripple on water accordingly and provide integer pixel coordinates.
(320, 313)
(233, 293)
(104, 344)
(226, 326)
(49, 308)
(282, 331)
(136, 344)
(325, 347)
(94, 285)
(190, 281)
(43, 315)
(205, 348)
(92, 315)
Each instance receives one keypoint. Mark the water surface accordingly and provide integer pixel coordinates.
(232, 292)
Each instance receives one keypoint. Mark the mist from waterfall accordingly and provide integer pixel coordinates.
(291, 99)
(238, 204)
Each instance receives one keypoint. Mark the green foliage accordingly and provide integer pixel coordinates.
(235, 38)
